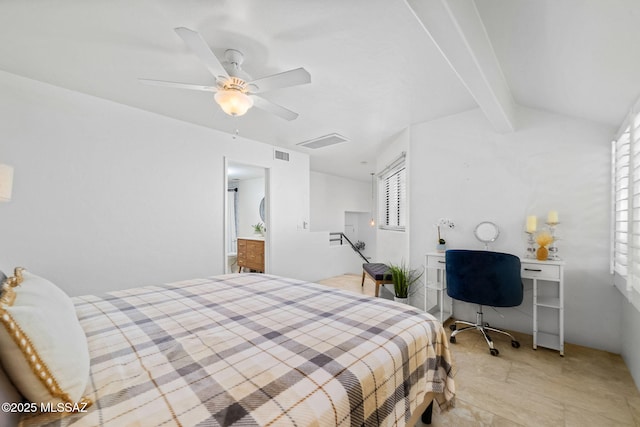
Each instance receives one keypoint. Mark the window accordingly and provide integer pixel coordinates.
(625, 179)
(620, 181)
(394, 196)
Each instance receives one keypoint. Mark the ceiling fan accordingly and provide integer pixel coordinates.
(235, 92)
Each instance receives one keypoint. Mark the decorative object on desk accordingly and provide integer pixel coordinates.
(532, 223)
(487, 232)
(259, 229)
(552, 223)
(443, 222)
(530, 229)
(403, 279)
(543, 239)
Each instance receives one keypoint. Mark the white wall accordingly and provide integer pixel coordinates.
(367, 234)
(108, 197)
(357, 227)
(461, 169)
(631, 339)
(325, 260)
(332, 196)
(333, 200)
(393, 246)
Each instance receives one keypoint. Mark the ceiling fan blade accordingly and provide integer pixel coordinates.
(178, 85)
(295, 77)
(200, 47)
(276, 109)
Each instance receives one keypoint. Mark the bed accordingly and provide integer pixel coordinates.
(256, 349)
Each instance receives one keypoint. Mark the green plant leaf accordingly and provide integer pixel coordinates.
(403, 279)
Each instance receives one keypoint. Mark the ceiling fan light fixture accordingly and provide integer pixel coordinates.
(233, 102)
(236, 93)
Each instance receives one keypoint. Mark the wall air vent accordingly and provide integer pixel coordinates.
(323, 141)
(281, 155)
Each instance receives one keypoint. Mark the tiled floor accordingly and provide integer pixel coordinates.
(531, 387)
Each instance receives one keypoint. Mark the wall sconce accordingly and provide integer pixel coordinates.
(6, 182)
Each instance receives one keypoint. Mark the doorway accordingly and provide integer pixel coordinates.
(246, 214)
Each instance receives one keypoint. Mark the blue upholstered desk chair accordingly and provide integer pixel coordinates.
(483, 278)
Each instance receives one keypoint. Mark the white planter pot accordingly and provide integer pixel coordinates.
(402, 300)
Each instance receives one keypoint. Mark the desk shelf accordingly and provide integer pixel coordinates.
(551, 273)
(436, 300)
(550, 302)
(436, 286)
(435, 311)
(551, 341)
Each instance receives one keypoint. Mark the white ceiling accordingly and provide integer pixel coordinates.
(374, 65)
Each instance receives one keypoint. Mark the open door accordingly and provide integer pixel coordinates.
(246, 218)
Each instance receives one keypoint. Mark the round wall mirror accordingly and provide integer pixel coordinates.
(261, 209)
(486, 232)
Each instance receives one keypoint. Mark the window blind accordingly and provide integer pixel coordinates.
(394, 197)
(620, 181)
(625, 181)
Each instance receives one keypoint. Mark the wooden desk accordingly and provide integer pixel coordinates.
(251, 254)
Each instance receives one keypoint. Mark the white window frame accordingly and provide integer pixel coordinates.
(393, 196)
(625, 208)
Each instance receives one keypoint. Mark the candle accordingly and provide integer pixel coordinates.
(553, 217)
(532, 222)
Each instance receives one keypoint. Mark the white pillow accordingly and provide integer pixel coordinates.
(42, 346)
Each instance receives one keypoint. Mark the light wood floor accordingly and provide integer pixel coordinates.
(529, 387)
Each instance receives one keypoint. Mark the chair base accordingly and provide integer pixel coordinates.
(484, 328)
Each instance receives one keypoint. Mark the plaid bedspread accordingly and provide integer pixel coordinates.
(255, 349)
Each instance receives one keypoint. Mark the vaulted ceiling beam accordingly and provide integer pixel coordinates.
(457, 30)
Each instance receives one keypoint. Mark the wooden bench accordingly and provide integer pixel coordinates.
(378, 272)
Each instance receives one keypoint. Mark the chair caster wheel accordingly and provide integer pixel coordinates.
(452, 327)
(494, 351)
(515, 344)
(452, 340)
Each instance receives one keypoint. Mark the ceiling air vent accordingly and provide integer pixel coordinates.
(323, 141)
(281, 155)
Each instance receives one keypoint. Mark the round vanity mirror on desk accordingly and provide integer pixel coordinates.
(486, 232)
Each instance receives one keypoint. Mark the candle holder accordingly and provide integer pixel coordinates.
(531, 248)
(553, 249)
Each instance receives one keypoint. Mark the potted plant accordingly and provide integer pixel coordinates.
(259, 229)
(403, 279)
(443, 222)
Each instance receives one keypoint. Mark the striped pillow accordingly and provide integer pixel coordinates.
(43, 348)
